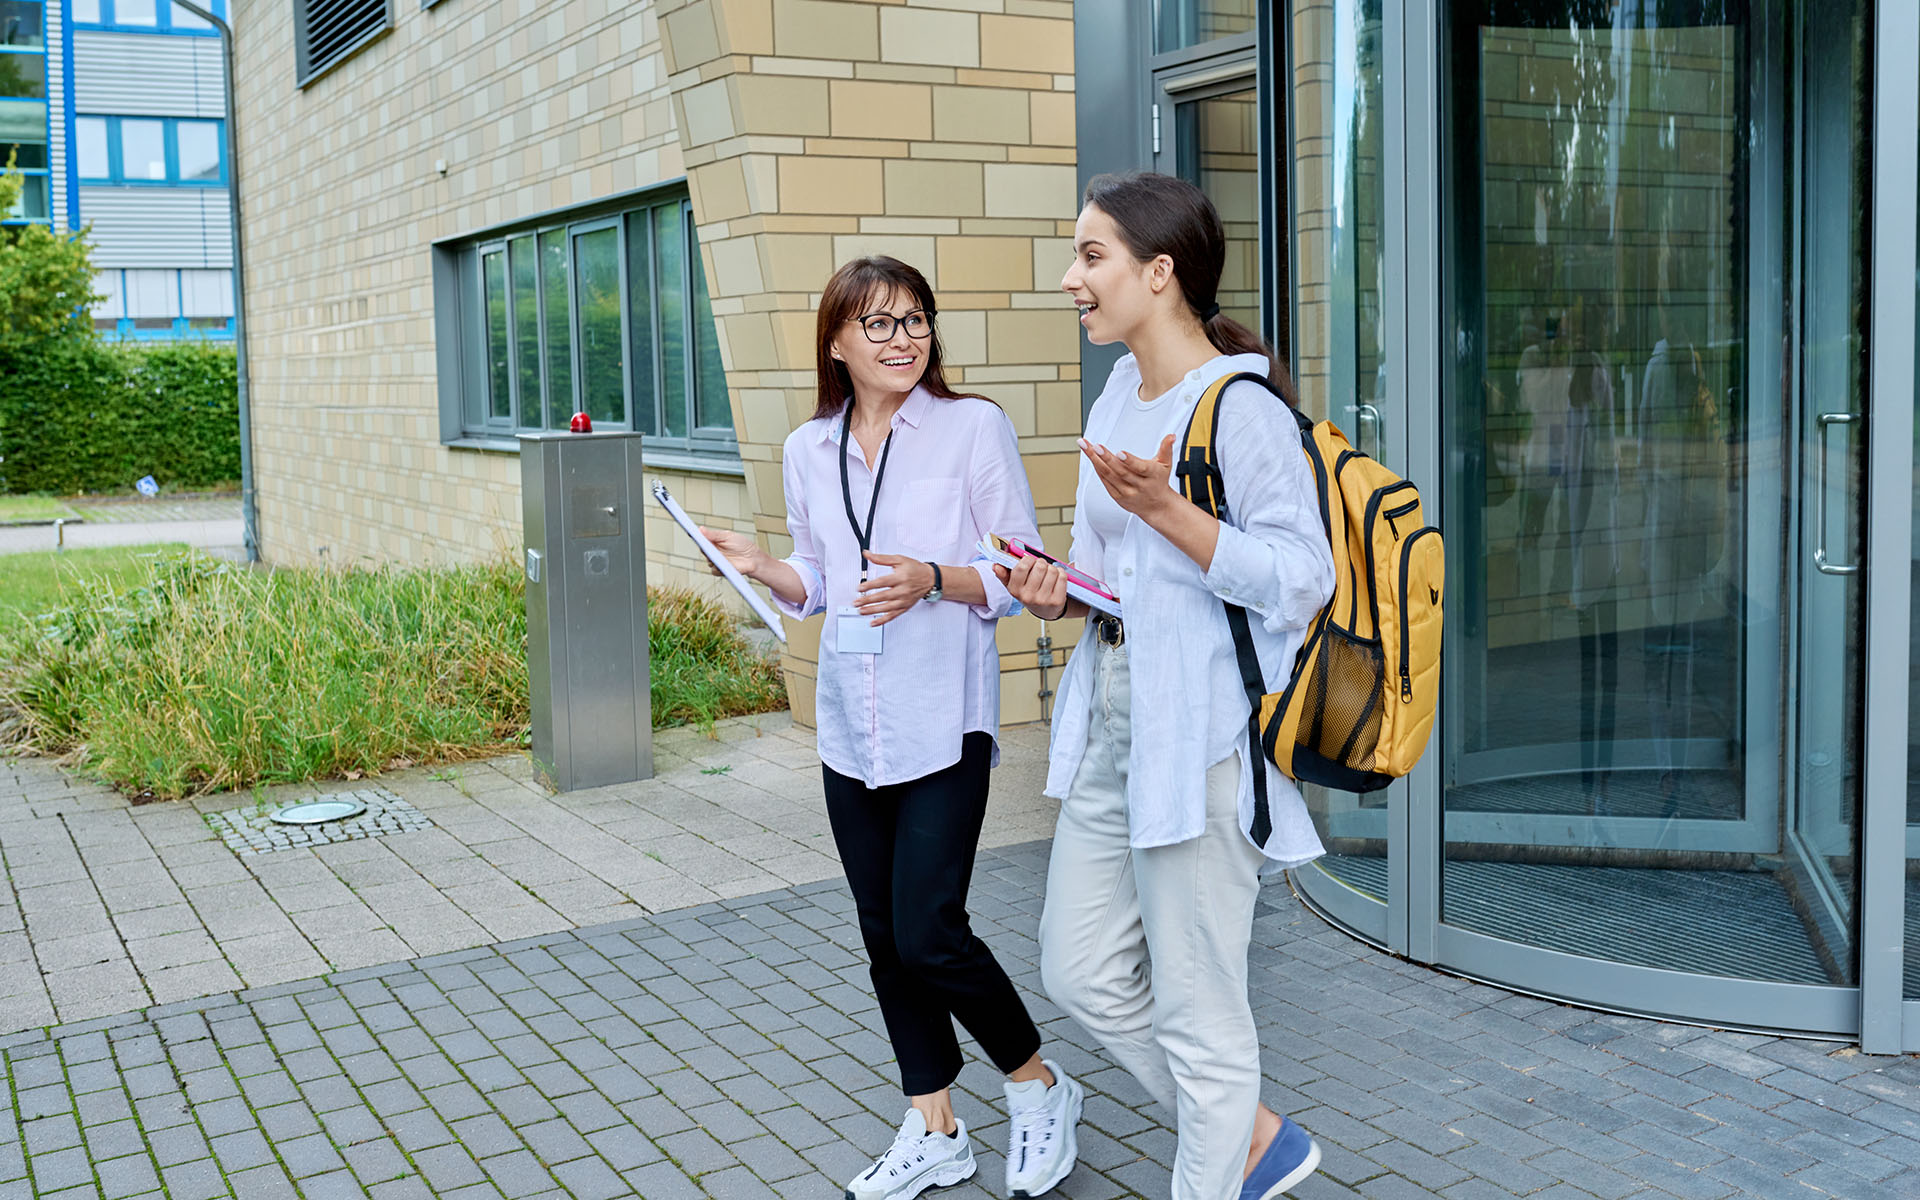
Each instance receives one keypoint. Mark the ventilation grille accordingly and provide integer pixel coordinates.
(330, 30)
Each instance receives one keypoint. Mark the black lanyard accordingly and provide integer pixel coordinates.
(863, 536)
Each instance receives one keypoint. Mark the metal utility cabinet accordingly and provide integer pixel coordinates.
(587, 667)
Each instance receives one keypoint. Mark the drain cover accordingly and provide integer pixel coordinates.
(319, 812)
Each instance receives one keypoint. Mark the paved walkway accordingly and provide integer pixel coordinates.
(211, 523)
(110, 906)
(725, 1042)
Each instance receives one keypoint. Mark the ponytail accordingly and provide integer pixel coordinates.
(1160, 214)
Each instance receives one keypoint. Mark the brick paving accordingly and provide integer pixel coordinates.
(733, 1049)
(109, 906)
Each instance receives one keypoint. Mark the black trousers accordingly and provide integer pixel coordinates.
(908, 852)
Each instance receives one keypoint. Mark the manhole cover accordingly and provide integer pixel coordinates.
(319, 812)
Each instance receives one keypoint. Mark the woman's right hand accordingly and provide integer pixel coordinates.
(741, 551)
(1040, 586)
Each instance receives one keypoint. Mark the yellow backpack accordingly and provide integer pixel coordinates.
(1359, 706)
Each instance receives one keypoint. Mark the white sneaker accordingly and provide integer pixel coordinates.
(916, 1161)
(1041, 1147)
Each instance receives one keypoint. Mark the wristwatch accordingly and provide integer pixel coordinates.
(935, 594)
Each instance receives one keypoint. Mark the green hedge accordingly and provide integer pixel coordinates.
(93, 416)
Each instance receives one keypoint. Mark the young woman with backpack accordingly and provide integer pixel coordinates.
(1153, 878)
(895, 473)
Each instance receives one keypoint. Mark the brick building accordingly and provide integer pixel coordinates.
(1627, 287)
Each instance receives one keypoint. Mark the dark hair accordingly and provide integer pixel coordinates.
(845, 298)
(1160, 214)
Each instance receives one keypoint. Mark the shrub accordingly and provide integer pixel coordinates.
(207, 675)
(85, 415)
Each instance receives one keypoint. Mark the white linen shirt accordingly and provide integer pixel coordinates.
(1272, 558)
(952, 476)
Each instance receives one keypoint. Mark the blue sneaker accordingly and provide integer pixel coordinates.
(1290, 1158)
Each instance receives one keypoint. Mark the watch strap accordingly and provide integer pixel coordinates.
(936, 593)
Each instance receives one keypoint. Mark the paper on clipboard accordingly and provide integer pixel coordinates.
(1087, 596)
(760, 607)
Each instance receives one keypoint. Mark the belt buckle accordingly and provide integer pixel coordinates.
(1109, 629)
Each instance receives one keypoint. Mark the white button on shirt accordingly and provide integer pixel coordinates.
(953, 476)
(1272, 558)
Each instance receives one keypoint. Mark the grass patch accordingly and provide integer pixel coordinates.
(201, 675)
(17, 509)
(46, 579)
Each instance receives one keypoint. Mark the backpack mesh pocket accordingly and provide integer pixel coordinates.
(1343, 692)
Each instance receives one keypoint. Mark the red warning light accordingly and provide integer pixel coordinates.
(582, 423)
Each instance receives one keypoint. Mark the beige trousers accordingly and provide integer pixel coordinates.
(1148, 948)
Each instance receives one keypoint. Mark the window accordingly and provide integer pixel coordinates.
(23, 106)
(603, 313)
(22, 24)
(163, 304)
(149, 15)
(165, 150)
(327, 32)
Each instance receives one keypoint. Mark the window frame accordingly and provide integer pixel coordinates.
(464, 332)
(117, 176)
(43, 190)
(162, 23)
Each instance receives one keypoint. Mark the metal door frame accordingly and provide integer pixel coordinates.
(1889, 1022)
(1416, 348)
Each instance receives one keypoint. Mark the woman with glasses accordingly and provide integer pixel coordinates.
(889, 488)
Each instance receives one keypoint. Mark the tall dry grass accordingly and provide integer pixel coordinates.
(206, 676)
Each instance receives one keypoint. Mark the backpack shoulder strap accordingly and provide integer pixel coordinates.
(1198, 468)
(1201, 482)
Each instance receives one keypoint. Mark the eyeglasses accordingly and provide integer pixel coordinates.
(879, 327)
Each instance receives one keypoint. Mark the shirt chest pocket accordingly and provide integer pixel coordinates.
(930, 518)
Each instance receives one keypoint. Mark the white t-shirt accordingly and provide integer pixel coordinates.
(1138, 428)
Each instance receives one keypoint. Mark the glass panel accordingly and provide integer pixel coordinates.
(1217, 142)
(558, 327)
(493, 275)
(143, 149)
(23, 121)
(1181, 23)
(23, 76)
(524, 266)
(135, 12)
(25, 156)
(710, 378)
(646, 415)
(21, 23)
(1636, 637)
(1335, 334)
(32, 205)
(199, 151)
(182, 19)
(90, 147)
(603, 385)
(670, 297)
(86, 12)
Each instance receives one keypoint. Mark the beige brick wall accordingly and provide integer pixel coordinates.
(813, 132)
(810, 131)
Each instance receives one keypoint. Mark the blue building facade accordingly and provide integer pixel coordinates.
(114, 112)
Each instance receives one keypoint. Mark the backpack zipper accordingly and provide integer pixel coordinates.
(1394, 514)
(1406, 556)
(1373, 510)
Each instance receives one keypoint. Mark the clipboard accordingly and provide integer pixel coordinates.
(761, 609)
(990, 547)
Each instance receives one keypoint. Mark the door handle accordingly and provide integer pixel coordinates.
(1364, 415)
(1820, 563)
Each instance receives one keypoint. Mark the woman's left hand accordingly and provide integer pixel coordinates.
(1136, 484)
(904, 586)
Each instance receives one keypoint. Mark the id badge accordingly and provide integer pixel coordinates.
(855, 634)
